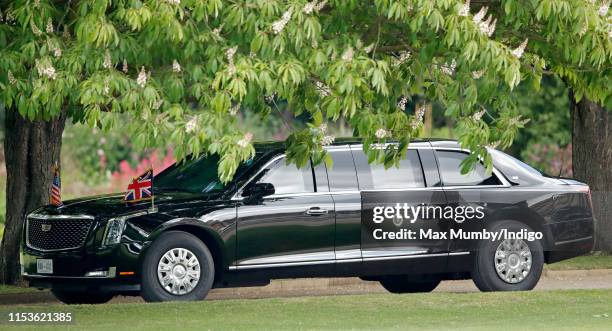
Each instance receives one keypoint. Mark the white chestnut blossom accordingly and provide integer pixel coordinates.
(418, 116)
(174, 2)
(125, 66)
(464, 10)
(369, 48)
(57, 52)
(107, 64)
(309, 7)
(323, 127)
(191, 125)
(583, 30)
(381, 133)
(477, 74)
(279, 25)
(106, 89)
(478, 115)
(46, 70)
(142, 77)
(401, 104)
(11, 78)
(480, 15)
(321, 5)
(488, 27)
(449, 69)
(327, 140)
(157, 104)
(401, 58)
(518, 52)
(176, 67)
(229, 54)
(348, 54)
(244, 142)
(322, 89)
(603, 10)
(49, 27)
(270, 98)
(234, 110)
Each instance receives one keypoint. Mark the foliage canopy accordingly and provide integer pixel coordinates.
(178, 70)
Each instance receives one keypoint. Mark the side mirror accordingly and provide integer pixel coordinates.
(259, 190)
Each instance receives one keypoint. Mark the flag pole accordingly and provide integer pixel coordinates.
(152, 210)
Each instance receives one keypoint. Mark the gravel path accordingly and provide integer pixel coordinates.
(551, 280)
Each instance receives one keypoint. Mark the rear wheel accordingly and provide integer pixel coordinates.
(508, 264)
(177, 266)
(80, 297)
(399, 284)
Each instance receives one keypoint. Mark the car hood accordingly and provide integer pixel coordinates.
(113, 205)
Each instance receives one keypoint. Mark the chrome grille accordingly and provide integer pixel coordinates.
(57, 233)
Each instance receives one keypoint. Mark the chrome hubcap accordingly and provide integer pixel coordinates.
(178, 271)
(513, 260)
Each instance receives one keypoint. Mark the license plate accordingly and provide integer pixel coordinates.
(44, 266)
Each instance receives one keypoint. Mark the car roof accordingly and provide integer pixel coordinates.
(435, 142)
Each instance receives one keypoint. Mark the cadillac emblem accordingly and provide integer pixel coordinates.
(45, 227)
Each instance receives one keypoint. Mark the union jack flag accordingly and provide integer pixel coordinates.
(56, 187)
(140, 188)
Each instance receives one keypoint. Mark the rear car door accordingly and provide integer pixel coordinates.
(292, 227)
(412, 190)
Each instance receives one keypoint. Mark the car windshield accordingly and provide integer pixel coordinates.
(197, 175)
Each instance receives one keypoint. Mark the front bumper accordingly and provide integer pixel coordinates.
(114, 268)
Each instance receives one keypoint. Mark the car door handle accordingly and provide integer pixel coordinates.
(316, 211)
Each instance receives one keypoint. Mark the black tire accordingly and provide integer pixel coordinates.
(82, 297)
(151, 288)
(399, 284)
(484, 273)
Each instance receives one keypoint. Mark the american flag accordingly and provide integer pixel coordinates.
(140, 188)
(56, 187)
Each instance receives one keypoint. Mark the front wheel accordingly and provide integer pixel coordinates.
(177, 266)
(508, 264)
(78, 298)
(398, 284)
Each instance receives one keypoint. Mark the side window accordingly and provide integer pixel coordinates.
(450, 171)
(342, 175)
(287, 178)
(375, 176)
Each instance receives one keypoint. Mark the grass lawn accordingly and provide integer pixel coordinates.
(554, 310)
(594, 261)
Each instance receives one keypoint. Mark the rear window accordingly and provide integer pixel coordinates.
(450, 171)
(409, 174)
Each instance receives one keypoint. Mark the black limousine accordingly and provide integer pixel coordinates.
(353, 219)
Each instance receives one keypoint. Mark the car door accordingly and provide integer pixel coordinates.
(397, 201)
(344, 190)
(474, 198)
(292, 227)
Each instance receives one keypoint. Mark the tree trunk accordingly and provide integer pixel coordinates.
(31, 148)
(592, 162)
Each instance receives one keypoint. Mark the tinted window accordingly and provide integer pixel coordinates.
(450, 171)
(198, 175)
(375, 176)
(287, 178)
(341, 175)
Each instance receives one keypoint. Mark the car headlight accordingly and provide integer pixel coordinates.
(114, 230)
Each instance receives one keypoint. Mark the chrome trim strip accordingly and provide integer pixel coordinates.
(369, 254)
(348, 254)
(45, 217)
(291, 258)
(572, 240)
(380, 258)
